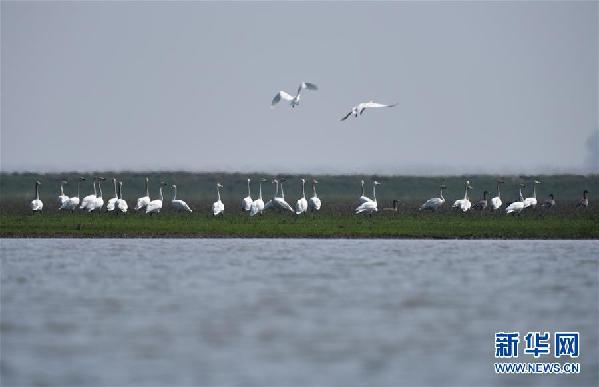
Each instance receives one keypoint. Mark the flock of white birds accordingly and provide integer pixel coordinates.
(94, 202)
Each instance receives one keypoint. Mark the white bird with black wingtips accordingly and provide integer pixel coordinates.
(293, 100)
(360, 108)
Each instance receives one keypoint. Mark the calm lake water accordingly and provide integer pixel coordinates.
(144, 312)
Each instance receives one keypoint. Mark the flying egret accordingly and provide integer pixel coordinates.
(361, 107)
(293, 100)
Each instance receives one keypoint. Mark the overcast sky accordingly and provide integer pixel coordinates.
(491, 87)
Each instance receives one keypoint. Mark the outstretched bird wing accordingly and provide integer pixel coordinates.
(306, 85)
(346, 116)
(371, 104)
(279, 95)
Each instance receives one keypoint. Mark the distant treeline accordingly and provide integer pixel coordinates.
(201, 186)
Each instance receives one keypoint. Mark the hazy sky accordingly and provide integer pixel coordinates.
(482, 86)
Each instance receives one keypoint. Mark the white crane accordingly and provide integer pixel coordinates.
(363, 198)
(89, 201)
(280, 202)
(36, 204)
(314, 202)
(154, 206)
(178, 204)
(62, 198)
(143, 201)
(532, 201)
(112, 201)
(99, 203)
(246, 202)
(258, 204)
(218, 207)
(302, 204)
(434, 203)
(293, 100)
(516, 207)
(121, 204)
(496, 202)
(73, 201)
(371, 206)
(361, 107)
(464, 204)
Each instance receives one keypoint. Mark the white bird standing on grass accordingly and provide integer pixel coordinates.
(280, 202)
(314, 202)
(154, 206)
(434, 203)
(532, 201)
(218, 207)
(62, 198)
(121, 204)
(258, 204)
(371, 206)
(360, 108)
(99, 202)
(36, 204)
(363, 198)
(89, 201)
(178, 204)
(302, 204)
(143, 201)
(246, 202)
(293, 100)
(112, 201)
(464, 204)
(516, 207)
(73, 201)
(496, 202)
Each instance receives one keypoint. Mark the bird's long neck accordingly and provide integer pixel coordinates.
(147, 189)
(100, 187)
(282, 192)
(120, 191)
(362, 188)
(249, 193)
(534, 190)
(218, 192)
(160, 190)
(37, 191)
(314, 189)
(61, 189)
(584, 195)
(260, 185)
(466, 192)
(521, 196)
(498, 193)
(374, 192)
(94, 185)
(303, 189)
(276, 189)
(441, 194)
(116, 193)
(175, 195)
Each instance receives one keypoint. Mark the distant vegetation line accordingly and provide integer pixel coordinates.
(202, 186)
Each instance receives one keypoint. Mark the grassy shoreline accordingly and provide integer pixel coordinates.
(446, 225)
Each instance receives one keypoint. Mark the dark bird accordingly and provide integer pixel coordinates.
(584, 202)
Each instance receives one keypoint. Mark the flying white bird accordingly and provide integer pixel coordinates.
(314, 202)
(293, 100)
(218, 207)
(73, 201)
(112, 201)
(121, 204)
(360, 108)
(246, 202)
(363, 198)
(154, 206)
(434, 203)
(258, 204)
(178, 204)
(36, 204)
(302, 204)
(464, 204)
(496, 202)
(532, 201)
(62, 198)
(371, 206)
